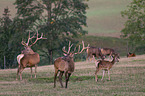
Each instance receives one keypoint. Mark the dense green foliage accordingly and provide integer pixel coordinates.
(134, 29)
(58, 20)
(9, 45)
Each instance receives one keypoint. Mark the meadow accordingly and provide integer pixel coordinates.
(127, 79)
(127, 76)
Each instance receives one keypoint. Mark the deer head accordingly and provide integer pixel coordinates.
(27, 47)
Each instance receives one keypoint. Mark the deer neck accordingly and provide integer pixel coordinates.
(113, 61)
(71, 66)
(28, 51)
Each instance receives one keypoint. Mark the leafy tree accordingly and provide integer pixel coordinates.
(134, 30)
(5, 35)
(57, 19)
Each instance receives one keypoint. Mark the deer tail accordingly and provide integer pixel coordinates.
(19, 57)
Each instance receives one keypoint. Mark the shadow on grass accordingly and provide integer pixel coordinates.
(72, 79)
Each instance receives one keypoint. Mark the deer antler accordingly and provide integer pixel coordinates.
(68, 48)
(29, 38)
(82, 48)
(37, 39)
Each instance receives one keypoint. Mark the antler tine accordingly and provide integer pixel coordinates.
(63, 49)
(82, 48)
(69, 46)
(42, 36)
(23, 43)
(38, 39)
(29, 38)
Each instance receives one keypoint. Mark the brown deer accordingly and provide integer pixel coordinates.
(131, 54)
(94, 52)
(28, 58)
(65, 65)
(107, 51)
(105, 66)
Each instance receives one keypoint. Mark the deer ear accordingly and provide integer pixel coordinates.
(64, 54)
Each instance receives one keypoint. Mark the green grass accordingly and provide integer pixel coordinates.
(127, 79)
(104, 16)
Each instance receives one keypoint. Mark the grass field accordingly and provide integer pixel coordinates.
(127, 79)
(127, 76)
(104, 18)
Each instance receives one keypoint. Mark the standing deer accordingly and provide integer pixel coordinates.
(107, 51)
(28, 58)
(65, 65)
(105, 66)
(94, 52)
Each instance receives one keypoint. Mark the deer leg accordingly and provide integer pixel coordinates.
(18, 72)
(35, 70)
(31, 71)
(60, 78)
(55, 76)
(88, 57)
(108, 75)
(103, 75)
(67, 78)
(97, 56)
(96, 77)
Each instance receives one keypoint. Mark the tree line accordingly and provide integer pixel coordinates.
(59, 21)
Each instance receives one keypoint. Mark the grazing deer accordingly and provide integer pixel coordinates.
(107, 51)
(28, 58)
(105, 66)
(131, 55)
(65, 65)
(94, 52)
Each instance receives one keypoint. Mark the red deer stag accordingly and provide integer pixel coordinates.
(94, 52)
(28, 58)
(105, 66)
(65, 65)
(107, 51)
(131, 55)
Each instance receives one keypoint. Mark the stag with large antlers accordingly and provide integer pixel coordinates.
(28, 58)
(66, 64)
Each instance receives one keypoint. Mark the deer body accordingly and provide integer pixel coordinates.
(94, 52)
(28, 58)
(131, 54)
(65, 65)
(107, 51)
(62, 65)
(105, 66)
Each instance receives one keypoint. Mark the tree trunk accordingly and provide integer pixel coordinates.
(50, 57)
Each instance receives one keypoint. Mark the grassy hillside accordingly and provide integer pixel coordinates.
(104, 17)
(127, 79)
